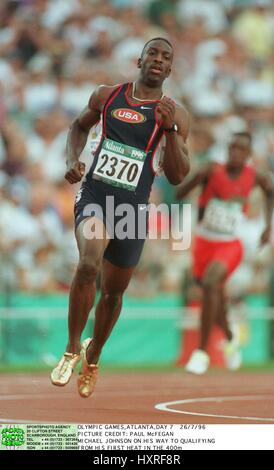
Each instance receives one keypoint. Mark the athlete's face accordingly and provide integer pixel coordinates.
(155, 63)
(239, 151)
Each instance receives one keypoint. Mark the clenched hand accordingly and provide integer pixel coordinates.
(75, 172)
(167, 108)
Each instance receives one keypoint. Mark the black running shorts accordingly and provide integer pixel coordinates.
(126, 223)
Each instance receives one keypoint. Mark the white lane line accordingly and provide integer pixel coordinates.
(166, 406)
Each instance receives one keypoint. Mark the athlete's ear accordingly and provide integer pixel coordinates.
(139, 63)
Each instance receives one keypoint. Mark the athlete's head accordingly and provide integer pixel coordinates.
(239, 149)
(155, 61)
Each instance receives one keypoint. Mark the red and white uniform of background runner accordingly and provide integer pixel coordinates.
(224, 201)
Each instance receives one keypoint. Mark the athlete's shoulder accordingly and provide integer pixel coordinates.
(219, 166)
(106, 90)
(101, 94)
(181, 111)
(216, 166)
(251, 168)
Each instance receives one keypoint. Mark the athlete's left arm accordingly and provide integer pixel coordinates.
(265, 182)
(176, 160)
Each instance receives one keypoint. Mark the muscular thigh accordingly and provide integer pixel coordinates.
(214, 274)
(91, 249)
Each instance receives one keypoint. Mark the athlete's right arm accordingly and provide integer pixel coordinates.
(79, 130)
(195, 179)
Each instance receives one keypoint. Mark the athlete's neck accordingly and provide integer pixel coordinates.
(234, 172)
(142, 92)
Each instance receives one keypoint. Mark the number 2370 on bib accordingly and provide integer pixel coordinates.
(119, 164)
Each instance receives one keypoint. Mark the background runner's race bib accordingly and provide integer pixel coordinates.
(119, 164)
(223, 216)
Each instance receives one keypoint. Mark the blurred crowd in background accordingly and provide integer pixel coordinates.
(53, 54)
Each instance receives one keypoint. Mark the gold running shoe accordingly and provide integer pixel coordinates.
(87, 377)
(62, 373)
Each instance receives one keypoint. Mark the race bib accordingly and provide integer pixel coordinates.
(119, 164)
(222, 217)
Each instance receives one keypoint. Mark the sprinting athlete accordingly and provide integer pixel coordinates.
(217, 250)
(137, 121)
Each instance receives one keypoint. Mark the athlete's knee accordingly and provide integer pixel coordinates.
(87, 270)
(112, 299)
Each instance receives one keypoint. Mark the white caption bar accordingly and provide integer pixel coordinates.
(175, 437)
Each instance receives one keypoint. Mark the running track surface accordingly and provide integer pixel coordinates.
(219, 397)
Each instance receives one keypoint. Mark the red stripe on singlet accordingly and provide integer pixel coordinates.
(152, 137)
(153, 155)
(106, 107)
